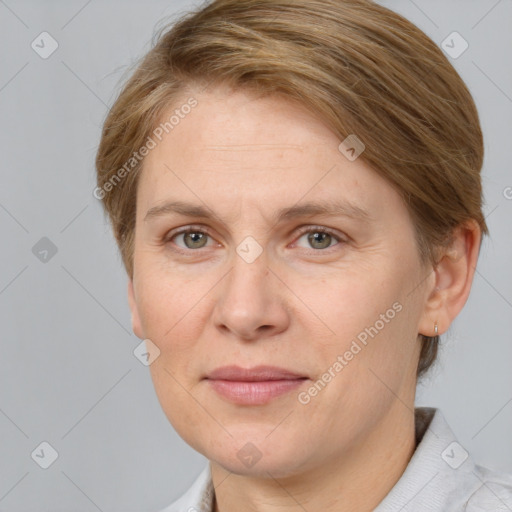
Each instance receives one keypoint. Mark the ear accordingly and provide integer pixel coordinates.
(136, 323)
(453, 278)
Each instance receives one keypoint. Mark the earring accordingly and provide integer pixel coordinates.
(436, 329)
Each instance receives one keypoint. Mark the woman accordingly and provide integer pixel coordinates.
(295, 190)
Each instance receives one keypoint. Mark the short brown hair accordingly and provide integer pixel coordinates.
(360, 67)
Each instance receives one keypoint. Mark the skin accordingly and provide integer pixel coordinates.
(299, 305)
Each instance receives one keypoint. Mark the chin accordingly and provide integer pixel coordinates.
(257, 454)
(266, 467)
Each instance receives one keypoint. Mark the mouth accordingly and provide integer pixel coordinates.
(253, 386)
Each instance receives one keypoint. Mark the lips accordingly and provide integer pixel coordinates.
(253, 386)
(255, 374)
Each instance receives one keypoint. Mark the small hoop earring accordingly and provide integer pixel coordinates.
(436, 330)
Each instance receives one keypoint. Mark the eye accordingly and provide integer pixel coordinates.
(192, 238)
(319, 237)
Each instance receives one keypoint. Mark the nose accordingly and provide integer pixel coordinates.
(251, 301)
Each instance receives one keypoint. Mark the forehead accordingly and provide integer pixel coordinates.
(232, 125)
(233, 146)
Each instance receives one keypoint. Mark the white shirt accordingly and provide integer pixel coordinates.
(440, 477)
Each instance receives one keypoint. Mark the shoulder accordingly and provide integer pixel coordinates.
(442, 475)
(494, 491)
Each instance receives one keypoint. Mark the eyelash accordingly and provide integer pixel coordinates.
(302, 231)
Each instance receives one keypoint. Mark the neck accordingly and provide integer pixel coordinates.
(357, 480)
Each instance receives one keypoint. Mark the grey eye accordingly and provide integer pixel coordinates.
(194, 239)
(319, 240)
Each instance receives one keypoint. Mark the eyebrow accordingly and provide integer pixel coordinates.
(333, 209)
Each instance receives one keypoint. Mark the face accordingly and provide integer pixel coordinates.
(283, 253)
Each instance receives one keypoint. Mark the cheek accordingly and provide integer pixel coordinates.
(170, 308)
(167, 304)
(174, 313)
(347, 302)
(367, 319)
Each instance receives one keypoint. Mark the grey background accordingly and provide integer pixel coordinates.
(68, 375)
